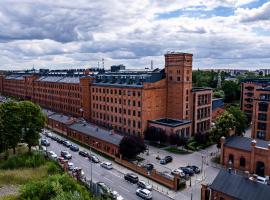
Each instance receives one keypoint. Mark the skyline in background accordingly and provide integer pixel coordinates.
(225, 34)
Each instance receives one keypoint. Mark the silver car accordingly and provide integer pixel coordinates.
(144, 194)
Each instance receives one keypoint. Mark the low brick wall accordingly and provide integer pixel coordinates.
(154, 175)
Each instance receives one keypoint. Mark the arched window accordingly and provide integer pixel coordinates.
(231, 158)
(242, 162)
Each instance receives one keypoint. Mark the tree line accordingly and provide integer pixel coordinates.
(20, 122)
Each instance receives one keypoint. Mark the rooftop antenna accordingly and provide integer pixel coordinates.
(152, 64)
(102, 63)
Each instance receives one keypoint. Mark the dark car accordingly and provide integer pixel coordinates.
(166, 160)
(93, 158)
(74, 147)
(83, 153)
(130, 177)
(45, 142)
(194, 168)
(59, 140)
(66, 155)
(187, 171)
(149, 167)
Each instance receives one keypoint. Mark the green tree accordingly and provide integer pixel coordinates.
(219, 94)
(10, 125)
(231, 90)
(223, 125)
(241, 122)
(131, 146)
(33, 121)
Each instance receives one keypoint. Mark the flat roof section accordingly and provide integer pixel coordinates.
(170, 122)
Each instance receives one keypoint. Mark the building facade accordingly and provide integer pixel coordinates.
(246, 154)
(124, 100)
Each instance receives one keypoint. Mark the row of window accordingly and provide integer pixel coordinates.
(204, 99)
(58, 86)
(118, 101)
(116, 119)
(203, 126)
(117, 110)
(116, 91)
(203, 113)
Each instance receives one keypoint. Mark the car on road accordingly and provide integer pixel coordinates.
(93, 158)
(66, 155)
(75, 170)
(48, 134)
(52, 155)
(194, 168)
(45, 142)
(61, 159)
(187, 171)
(66, 143)
(144, 185)
(83, 153)
(73, 147)
(149, 166)
(59, 140)
(106, 165)
(116, 196)
(166, 159)
(70, 166)
(144, 193)
(130, 177)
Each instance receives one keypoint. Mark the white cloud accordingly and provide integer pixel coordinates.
(75, 33)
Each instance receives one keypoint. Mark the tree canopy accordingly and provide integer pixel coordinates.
(20, 121)
(231, 90)
(131, 146)
(241, 122)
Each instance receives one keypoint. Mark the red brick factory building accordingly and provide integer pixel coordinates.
(127, 101)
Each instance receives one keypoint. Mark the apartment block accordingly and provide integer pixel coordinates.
(128, 101)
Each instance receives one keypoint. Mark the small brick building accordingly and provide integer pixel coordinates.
(246, 154)
(230, 186)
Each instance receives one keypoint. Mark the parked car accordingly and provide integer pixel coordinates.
(76, 169)
(59, 140)
(93, 158)
(61, 159)
(66, 143)
(149, 166)
(144, 185)
(194, 168)
(116, 196)
(48, 134)
(70, 166)
(130, 177)
(74, 147)
(52, 155)
(45, 142)
(260, 179)
(166, 160)
(144, 193)
(83, 153)
(106, 165)
(66, 155)
(178, 172)
(187, 171)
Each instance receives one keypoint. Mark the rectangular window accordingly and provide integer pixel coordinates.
(262, 117)
(262, 126)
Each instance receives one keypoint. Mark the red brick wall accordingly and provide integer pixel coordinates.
(178, 69)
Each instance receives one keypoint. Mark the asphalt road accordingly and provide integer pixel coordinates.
(113, 178)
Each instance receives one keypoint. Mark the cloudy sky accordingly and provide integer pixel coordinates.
(76, 33)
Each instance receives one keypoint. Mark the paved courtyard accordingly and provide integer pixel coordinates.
(202, 159)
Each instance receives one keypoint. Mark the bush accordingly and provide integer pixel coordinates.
(52, 187)
(53, 168)
(32, 160)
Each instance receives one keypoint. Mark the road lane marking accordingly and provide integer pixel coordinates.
(123, 188)
(108, 179)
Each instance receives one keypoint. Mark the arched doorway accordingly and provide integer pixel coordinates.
(260, 168)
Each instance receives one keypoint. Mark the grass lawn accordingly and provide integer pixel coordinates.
(176, 150)
(21, 176)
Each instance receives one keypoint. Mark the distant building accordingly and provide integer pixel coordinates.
(121, 99)
(217, 108)
(264, 72)
(230, 186)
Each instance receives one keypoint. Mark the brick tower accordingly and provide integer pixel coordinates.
(178, 67)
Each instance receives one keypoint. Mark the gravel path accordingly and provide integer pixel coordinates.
(9, 190)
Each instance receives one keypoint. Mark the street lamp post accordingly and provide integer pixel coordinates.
(91, 167)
